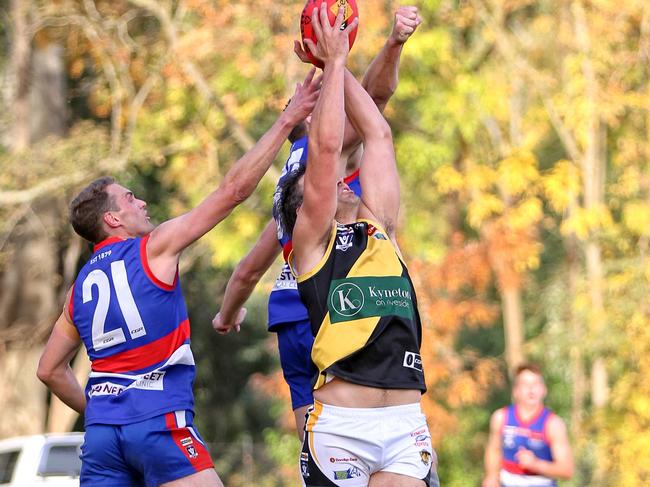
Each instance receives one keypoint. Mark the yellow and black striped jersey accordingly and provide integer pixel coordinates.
(363, 311)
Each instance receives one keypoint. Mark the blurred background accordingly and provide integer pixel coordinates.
(522, 132)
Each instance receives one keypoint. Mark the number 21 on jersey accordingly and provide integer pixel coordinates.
(125, 301)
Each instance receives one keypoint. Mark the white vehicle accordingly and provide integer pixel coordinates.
(51, 460)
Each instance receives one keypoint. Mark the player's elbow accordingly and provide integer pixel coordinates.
(567, 472)
(248, 276)
(327, 142)
(45, 372)
(237, 191)
(381, 131)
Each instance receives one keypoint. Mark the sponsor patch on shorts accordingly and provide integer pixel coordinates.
(425, 456)
(350, 473)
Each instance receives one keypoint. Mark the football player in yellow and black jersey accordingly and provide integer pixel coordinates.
(366, 426)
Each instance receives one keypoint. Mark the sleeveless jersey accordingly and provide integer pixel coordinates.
(363, 311)
(137, 334)
(517, 433)
(285, 305)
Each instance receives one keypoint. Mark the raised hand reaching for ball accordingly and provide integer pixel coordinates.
(326, 14)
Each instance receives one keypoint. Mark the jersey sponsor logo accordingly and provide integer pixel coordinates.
(285, 280)
(350, 473)
(533, 439)
(372, 232)
(346, 300)
(363, 297)
(106, 389)
(412, 360)
(153, 381)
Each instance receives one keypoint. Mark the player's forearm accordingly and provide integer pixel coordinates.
(64, 385)
(492, 463)
(249, 272)
(556, 469)
(362, 111)
(328, 118)
(250, 168)
(238, 290)
(382, 76)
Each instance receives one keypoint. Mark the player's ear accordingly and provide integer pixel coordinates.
(111, 220)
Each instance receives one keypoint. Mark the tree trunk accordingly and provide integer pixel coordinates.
(593, 172)
(48, 94)
(30, 300)
(22, 396)
(578, 378)
(18, 74)
(513, 323)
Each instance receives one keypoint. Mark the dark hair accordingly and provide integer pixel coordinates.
(297, 132)
(531, 367)
(88, 208)
(290, 199)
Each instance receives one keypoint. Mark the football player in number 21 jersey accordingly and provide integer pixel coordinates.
(127, 308)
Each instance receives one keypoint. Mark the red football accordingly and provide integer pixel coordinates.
(306, 31)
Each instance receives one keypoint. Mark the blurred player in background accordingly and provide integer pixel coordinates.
(528, 444)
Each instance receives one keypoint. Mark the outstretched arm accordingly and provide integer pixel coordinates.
(378, 175)
(170, 238)
(54, 365)
(247, 274)
(381, 77)
(315, 216)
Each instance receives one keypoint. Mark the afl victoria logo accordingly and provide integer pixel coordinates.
(347, 299)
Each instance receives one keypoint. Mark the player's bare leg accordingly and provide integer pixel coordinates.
(204, 478)
(389, 479)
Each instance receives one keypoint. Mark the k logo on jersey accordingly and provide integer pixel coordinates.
(347, 299)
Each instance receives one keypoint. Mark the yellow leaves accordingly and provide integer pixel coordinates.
(636, 217)
(561, 185)
(517, 172)
(480, 177)
(527, 213)
(641, 407)
(646, 271)
(483, 207)
(584, 221)
(448, 180)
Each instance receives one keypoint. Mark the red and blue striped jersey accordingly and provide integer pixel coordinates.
(137, 334)
(517, 433)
